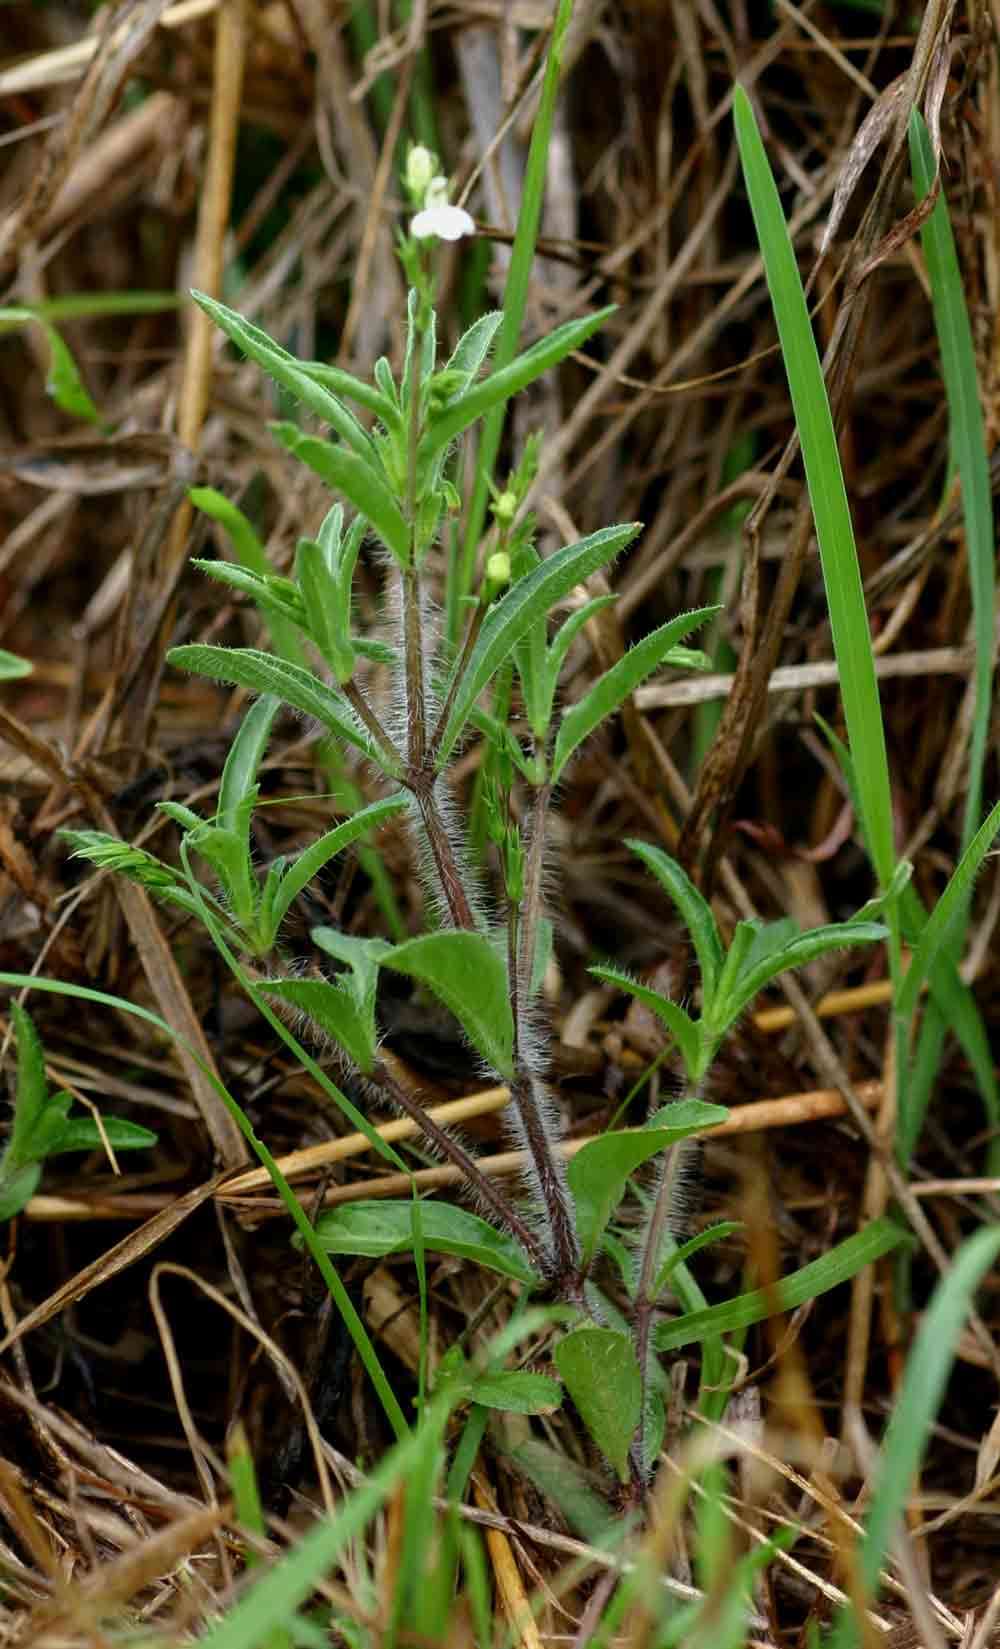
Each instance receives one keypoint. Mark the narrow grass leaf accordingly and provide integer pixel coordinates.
(968, 445)
(834, 532)
(916, 1405)
(849, 1257)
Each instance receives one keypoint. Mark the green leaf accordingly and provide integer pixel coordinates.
(824, 478)
(805, 947)
(473, 347)
(17, 1187)
(288, 372)
(226, 852)
(347, 387)
(529, 600)
(357, 479)
(844, 1261)
(470, 978)
(681, 1255)
(254, 567)
(32, 1089)
(693, 908)
(918, 1400)
(327, 619)
(334, 1006)
(681, 1026)
(517, 1392)
(947, 913)
(493, 391)
(601, 1373)
(83, 1134)
(309, 862)
(11, 667)
(238, 784)
(599, 1172)
(377, 1228)
(263, 673)
(614, 686)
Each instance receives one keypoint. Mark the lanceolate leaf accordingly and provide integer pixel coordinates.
(795, 954)
(469, 977)
(517, 1392)
(32, 1087)
(693, 908)
(787, 1293)
(473, 347)
(530, 599)
(289, 373)
(613, 688)
(357, 479)
(262, 673)
(377, 1228)
(501, 385)
(335, 1009)
(601, 1374)
(302, 870)
(950, 909)
(239, 776)
(681, 1027)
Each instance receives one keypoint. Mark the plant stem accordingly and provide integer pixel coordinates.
(642, 1309)
(563, 1265)
(445, 863)
(472, 636)
(532, 902)
(502, 1211)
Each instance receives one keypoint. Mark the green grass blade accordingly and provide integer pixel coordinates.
(968, 445)
(949, 910)
(834, 532)
(916, 1407)
(514, 301)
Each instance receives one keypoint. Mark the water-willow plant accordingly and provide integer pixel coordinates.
(391, 456)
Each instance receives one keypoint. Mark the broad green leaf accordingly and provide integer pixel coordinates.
(599, 1172)
(357, 479)
(842, 1263)
(601, 1373)
(571, 1488)
(517, 1392)
(11, 667)
(611, 690)
(83, 1134)
(470, 978)
(333, 1006)
(693, 908)
(263, 673)
(238, 784)
(288, 372)
(378, 1228)
(491, 392)
(312, 859)
(681, 1026)
(529, 600)
(949, 910)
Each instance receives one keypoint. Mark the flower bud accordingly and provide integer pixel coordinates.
(505, 507)
(498, 569)
(421, 167)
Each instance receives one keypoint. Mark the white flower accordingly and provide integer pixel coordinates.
(443, 222)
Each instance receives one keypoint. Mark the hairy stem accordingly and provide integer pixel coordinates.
(448, 869)
(413, 653)
(642, 1308)
(472, 636)
(563, 1264)
(531, 905)
(505, 1215)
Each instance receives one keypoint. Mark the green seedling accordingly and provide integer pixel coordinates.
(43, 1126)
